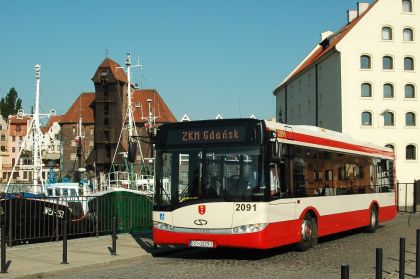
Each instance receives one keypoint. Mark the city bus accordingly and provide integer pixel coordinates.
(260, 184)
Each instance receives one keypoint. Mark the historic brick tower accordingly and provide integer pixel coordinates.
(110, 83)
(101, 116)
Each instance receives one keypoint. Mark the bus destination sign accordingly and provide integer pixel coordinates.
(207, 135)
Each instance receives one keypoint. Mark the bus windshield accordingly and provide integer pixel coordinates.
(220, 174)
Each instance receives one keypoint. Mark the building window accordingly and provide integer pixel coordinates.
(366, 90)
(410, 152)
(388, 90)
(408, 35)
(386, 33)
(365, 62)
(73, 156)
(410, 119)
(408, 64)
(3, 148)
(388, 118)
(387, 63)
(74, 130)
(13, 149)
(106, 109)
(91, 131)
(407, 6)
(13, 161)
(13, 138)
(366, 118)
(409, 91)
(3, 137)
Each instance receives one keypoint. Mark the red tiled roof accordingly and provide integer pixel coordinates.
(320, 51)
(82, 106)
(115, 68)
(159, 107)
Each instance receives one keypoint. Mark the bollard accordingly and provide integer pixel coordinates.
(345, 273)
(379, 263)
(113, 249)
(402, 258)
(4, 264)
(417, 253)
(64, 243)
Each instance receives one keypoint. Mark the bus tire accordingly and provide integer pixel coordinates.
(309, 233)
(373, 223)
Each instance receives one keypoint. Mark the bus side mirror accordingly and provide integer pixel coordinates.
(132, 151)
(275, 151)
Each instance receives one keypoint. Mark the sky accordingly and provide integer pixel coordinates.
(204, 57)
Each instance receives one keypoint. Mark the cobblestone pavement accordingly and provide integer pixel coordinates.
(355, 248)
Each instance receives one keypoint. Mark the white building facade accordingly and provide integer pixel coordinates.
(364, 81)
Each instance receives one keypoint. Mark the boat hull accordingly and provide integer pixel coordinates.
(133, 211)
(28, 219)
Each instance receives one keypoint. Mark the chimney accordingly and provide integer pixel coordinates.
(325, 35)
(361, 8)
(351, 15)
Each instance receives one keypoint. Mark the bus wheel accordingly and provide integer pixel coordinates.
(309, 233)
(373, 220)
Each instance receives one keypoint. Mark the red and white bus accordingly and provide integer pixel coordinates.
(260, 184)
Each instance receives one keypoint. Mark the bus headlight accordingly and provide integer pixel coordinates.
(251, 228)
(163, 226)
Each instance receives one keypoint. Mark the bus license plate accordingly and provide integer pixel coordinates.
(201, 243)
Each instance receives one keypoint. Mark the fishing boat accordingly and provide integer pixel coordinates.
(31, 212)
(123, 192)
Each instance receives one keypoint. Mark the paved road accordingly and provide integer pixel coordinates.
(355, 248)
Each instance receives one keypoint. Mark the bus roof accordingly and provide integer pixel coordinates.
(317, 137)
(195, 132)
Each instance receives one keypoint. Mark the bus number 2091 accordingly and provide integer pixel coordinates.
(246, 207)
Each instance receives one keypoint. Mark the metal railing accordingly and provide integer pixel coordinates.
(42, 219)
(406, 197)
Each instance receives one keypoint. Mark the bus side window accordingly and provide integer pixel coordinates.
(282, 177)
(274, 181)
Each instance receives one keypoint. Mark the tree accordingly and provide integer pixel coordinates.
(11, 104)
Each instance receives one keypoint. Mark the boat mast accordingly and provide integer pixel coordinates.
(78, 140)
(129, 107)
(132, 131)
(151, 128)
(37, 134)
(35, 128)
